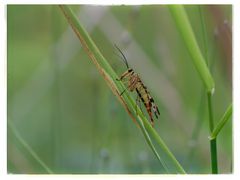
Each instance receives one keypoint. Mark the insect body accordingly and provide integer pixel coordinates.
(135, 83)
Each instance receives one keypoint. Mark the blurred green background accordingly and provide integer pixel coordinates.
(62, 108)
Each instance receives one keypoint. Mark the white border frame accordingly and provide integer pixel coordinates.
(236, 87)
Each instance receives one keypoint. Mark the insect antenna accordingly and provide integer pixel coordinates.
(122, 57)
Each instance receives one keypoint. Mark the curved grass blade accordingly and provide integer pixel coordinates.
(27, 147)
(226, 116)
(189, 39)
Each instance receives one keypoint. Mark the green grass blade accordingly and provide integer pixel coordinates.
(189, 39)
(27, 147)
(204, 35)
(168, 158)
(154, 141)
(226, 116)
(150, 143)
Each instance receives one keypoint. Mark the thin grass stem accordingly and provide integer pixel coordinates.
(27, 147)
(213, 142)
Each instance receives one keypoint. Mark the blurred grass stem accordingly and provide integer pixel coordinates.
(27, 147)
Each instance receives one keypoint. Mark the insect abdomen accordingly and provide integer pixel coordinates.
(143, 94)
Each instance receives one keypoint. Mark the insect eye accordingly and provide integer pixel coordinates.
(130, 70)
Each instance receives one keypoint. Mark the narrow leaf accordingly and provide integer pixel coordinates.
(222, 122)
(27, 147)
(184, 26)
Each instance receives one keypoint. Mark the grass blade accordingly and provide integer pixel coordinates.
(226, 116)
(27, 147)
(153, 139)
(189, 39)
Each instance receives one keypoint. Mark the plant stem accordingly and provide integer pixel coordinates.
(27, 147)
(210, 113)
(214, 160)
(213, 142)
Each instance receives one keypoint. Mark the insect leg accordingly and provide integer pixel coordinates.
(122, 92)
(156, 111)
(130, 86)
(138, 103)
(148, 107)
(124, 80)
(155, 108)
(123, 76)
(151, 118)
(125, 89)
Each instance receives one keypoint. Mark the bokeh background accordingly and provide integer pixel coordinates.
(63, 110)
